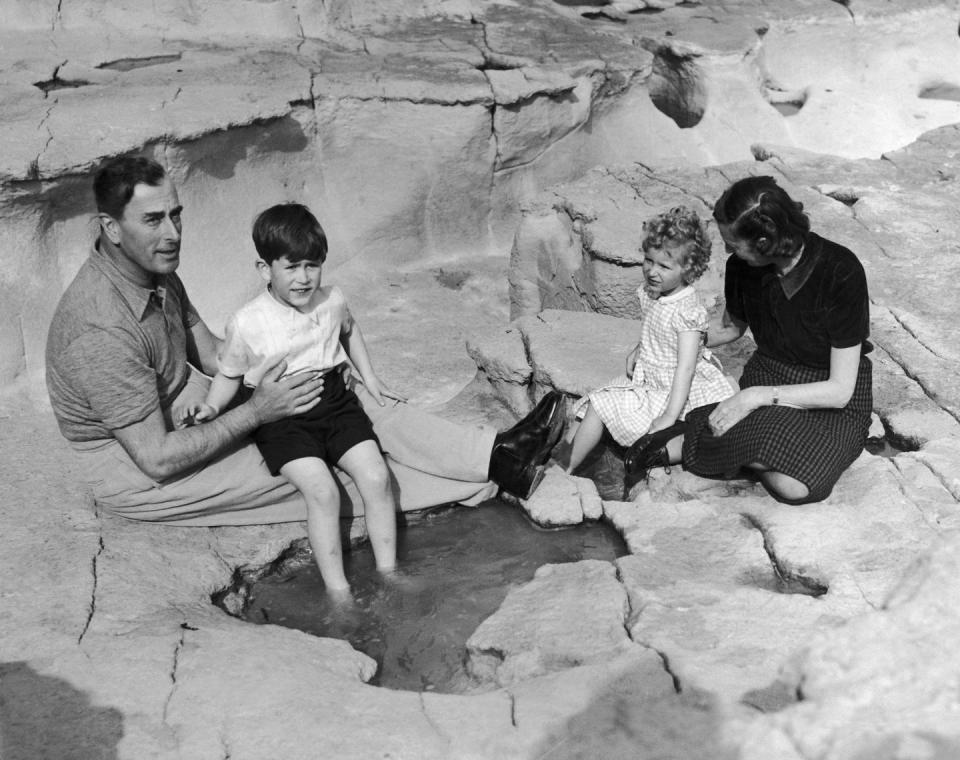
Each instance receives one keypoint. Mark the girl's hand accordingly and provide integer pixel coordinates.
(631, 362)
(729, 412)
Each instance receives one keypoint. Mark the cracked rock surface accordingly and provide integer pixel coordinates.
(755, 630)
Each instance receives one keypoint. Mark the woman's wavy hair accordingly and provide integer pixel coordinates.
(758, 210)
(680, 227)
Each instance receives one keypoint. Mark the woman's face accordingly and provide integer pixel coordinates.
(742, 249)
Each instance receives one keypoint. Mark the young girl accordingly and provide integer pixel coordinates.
(669, 372)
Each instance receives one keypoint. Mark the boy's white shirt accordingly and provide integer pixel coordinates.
(263, 331)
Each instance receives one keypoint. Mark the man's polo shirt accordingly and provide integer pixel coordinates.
(116, 351)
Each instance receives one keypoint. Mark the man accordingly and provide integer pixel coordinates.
(119, 352)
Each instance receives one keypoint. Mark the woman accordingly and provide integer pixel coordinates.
(803, 411)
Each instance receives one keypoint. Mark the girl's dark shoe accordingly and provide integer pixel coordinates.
(650, 451)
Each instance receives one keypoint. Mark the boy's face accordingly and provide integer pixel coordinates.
(293, 284)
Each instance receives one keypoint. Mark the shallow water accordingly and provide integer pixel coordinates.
(456, 569)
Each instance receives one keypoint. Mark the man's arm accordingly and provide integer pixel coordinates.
(202, 347)
(162, 453)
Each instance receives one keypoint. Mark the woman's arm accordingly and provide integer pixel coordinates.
(724, 328)
(688, 349)
(833, 393)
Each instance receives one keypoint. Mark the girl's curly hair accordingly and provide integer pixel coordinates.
(680, 227)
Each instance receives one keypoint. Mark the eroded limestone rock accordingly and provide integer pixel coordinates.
(568, 615)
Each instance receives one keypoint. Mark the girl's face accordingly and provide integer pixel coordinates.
(664, 270)
(742, 249)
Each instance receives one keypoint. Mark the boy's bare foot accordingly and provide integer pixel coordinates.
(340, 595)
(402, 582)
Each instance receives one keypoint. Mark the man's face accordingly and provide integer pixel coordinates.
(148, 233)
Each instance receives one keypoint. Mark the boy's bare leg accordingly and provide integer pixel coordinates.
(314, 480)
(364, 463)
(587, 436)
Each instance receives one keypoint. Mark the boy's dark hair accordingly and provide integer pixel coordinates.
(759, 211)
(289, 229)
(680, 226)
(117, 178)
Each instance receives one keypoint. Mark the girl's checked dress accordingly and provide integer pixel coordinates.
(628, 406)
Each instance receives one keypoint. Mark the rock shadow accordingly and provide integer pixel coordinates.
(627, 721)
(45, 718)
(676, 87)
(940, 91)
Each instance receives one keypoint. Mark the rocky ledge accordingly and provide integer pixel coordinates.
(736, 627)
(825, 618)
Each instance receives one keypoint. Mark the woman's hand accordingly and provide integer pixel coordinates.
(729, 412)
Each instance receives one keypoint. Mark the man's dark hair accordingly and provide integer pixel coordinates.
(289, 229)
(117, 178)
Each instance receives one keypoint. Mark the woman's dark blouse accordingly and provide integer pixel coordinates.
(821, 303)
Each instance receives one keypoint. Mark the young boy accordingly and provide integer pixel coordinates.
(312, 329)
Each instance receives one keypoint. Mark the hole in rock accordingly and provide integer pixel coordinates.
(940, 91)
(128, 64)
(676, 89)
(883, 447)
(788, 107)
(584, 3)
(456, 567)
(846, 196)
(604, 16)
(451, 278)
(56, 83)
(786, 103)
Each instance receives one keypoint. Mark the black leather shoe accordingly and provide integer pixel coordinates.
(650, 451)
(513, 474)
(533, 437)
(519, 453)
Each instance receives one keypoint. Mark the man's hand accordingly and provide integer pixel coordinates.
(277, 397)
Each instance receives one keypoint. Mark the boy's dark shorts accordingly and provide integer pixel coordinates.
(327, 432)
